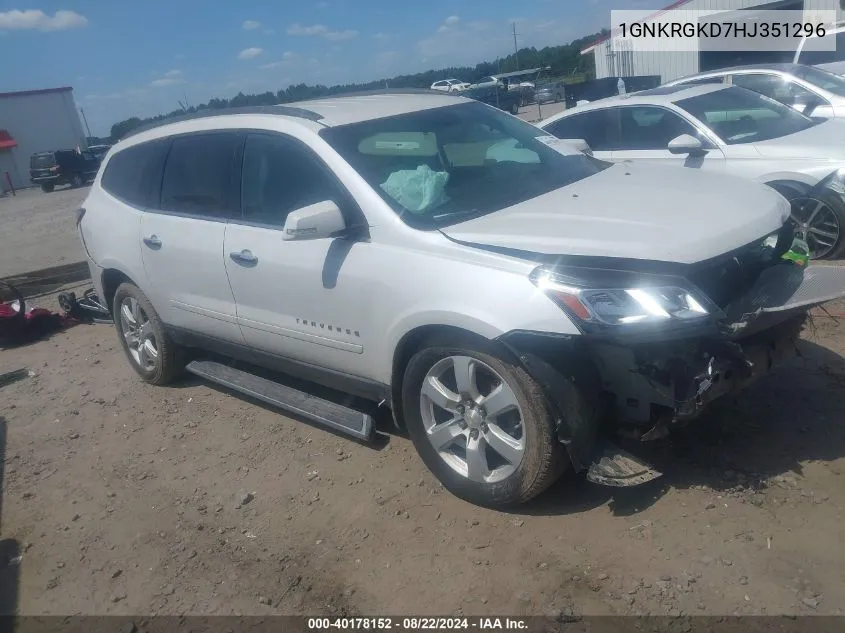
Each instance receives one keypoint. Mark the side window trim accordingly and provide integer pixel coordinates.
(350, 208)
(234, 178)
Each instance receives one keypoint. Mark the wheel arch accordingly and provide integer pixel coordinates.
(111, 278)
(412, 342)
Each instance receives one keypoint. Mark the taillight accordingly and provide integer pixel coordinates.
(80, 213)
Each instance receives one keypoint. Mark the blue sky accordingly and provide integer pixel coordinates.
(140, 58)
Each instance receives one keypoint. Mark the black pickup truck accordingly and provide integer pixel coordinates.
(498, 96)
(62, 167)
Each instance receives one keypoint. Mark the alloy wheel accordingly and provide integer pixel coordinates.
(817, 224)
(472, 418)
(138, 333)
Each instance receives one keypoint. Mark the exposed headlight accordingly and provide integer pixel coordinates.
(606, 298)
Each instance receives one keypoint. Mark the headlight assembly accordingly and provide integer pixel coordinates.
(608, 298)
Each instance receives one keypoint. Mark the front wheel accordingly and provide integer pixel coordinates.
(515, 109)
(77, 181)
(47, 188)
(150, 351)
(480, 423)
(819, 218)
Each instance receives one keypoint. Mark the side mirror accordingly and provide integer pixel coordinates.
(686, 144)
(580, 144)
(316, 221)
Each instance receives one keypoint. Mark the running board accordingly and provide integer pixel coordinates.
(620, 469)
(335, 416)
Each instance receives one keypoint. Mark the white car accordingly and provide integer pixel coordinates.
(450, 85)
(812, 91)
(494, 301)
(731, 130)
(486, 82)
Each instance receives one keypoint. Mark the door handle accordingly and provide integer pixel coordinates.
(152, 241)
(244, 257)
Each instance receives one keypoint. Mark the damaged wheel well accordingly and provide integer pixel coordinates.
(112, 278)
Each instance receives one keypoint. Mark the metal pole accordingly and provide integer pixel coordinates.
(86, 122)
(515, 49)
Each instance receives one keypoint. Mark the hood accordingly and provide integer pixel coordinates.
(824, 141)
(670, 214)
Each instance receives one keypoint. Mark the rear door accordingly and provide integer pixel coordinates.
(182, 236)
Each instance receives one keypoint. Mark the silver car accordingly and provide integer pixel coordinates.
(503, 295)
(731, 130)
(812, 91)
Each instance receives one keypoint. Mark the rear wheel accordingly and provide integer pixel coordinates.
(150, 351)
(480, 423)
(515, 108)
(47, 188)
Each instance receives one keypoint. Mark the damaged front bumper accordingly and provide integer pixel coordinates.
(646, 385)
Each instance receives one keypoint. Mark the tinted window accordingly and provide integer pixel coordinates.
(131, 173)
(650, 128)
(742, 116)
(38, 161)
(198, 175)
(600, 128)
(280, 176)
(444, 165)
(822, 78)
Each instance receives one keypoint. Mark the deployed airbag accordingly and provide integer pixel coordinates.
(418, 190)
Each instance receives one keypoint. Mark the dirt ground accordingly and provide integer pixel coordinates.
(123, 498)
(38, 230)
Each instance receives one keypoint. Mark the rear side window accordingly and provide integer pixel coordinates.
(198, 175)
(133, 174)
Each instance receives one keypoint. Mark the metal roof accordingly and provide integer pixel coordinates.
(517, 73)
(30, 93)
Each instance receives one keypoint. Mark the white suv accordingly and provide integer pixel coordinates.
(450, 85)
(499, 291)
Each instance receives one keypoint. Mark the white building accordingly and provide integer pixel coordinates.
(617, 61)
(35, 121)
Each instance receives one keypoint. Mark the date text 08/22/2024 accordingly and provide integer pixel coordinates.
(418, 624)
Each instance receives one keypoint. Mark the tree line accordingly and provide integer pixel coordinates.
(563, 60)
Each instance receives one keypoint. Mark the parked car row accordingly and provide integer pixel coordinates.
(780, 125)
(513, 301)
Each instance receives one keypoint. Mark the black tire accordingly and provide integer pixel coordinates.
(47, 188)
(169, 362)
(515, 108)
(544, 458)
(796, 191)
(77, 181)
(557, 98)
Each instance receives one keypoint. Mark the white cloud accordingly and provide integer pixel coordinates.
(452, 20)
(165, 81)
(287, 58)
(321, 30)
(173, 73)
(16, 20)
(250, 25)
(250, 53)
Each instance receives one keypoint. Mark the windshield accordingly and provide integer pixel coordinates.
(39, 161)
(739, 116)
(445, 165)
(822, 79)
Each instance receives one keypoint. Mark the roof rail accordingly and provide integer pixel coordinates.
(279, 110)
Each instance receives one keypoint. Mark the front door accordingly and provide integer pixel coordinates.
(303, 300)
(645, 133)
(182, 238)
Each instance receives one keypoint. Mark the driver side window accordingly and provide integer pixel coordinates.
(651, 128)
(279, 176)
